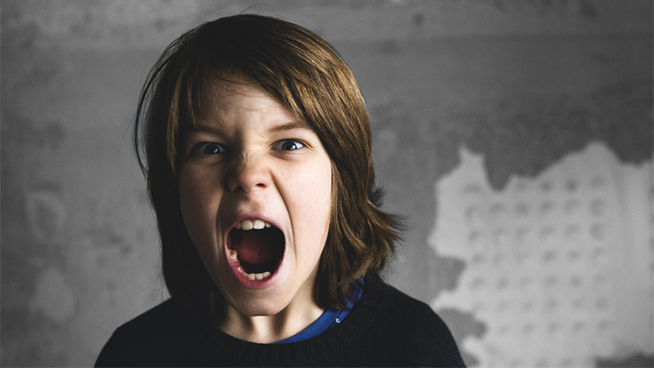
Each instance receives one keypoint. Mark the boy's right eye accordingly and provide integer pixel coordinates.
(209, 148)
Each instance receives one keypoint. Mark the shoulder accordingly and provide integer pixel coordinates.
(399, 307)
(418, 332)
(153, 338)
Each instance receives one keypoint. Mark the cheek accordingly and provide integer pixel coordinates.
(312, 205)
(195, 195)
(189, 192)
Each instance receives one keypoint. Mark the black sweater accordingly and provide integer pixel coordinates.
(385, 328)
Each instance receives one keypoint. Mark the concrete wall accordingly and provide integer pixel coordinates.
(515, 135)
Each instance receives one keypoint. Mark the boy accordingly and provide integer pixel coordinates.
(258, 163)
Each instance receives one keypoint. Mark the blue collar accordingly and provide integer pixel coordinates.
(326, 321)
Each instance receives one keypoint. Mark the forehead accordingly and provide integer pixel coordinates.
(224, 94)
(221, 100)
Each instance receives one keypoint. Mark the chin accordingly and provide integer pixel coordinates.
(260, 307)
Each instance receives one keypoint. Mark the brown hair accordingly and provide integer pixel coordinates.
(304, 73)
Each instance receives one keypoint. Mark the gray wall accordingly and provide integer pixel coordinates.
(516, 136)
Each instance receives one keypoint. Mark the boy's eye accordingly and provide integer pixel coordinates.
(288, 145)
(209, 148)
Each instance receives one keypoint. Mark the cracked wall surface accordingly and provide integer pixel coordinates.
(521, 86)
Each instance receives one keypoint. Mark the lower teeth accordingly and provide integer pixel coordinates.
(255, 276)
(252, 276)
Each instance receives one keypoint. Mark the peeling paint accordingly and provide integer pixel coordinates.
(46, 214)
(557, 266)
(632, 360)
(583, 8)
(53, 297)
(525, 135)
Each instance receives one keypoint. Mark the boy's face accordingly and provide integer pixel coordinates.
(255, 192)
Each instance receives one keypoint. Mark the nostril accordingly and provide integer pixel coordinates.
(247, 188)
(248, 176)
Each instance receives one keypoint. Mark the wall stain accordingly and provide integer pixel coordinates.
(450, 266)
(418, 19)
(53, 297)
(588, 9)
(47, 215)
(583, 8)
(394, 124)
(36, 294)
(389, 47)
(54, 134)
(633, 360)
(526, 135)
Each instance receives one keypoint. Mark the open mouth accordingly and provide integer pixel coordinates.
(257, 247)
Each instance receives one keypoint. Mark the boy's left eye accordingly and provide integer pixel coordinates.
(288, 145)
(209, 148)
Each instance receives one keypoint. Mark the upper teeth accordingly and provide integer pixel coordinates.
(256, 224)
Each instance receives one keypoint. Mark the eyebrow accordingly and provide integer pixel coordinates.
(199, 127)
(290, 126)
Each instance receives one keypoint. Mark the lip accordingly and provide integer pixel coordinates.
(243, 280)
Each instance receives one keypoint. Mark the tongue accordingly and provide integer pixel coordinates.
(253, 247)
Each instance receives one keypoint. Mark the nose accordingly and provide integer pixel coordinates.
(248, 175)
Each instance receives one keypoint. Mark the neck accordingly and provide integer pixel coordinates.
(266, 329)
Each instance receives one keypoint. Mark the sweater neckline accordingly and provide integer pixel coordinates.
(213, 345)
(328, 320)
